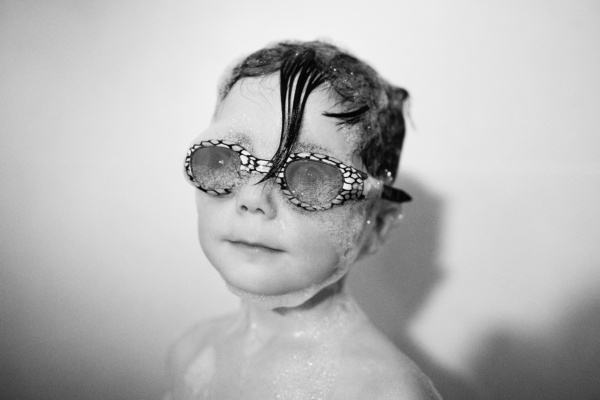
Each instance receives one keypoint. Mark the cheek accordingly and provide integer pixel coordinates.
(211, 218)
(318, 256)
(343, 227)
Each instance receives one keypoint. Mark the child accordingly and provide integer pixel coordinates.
(294, 178)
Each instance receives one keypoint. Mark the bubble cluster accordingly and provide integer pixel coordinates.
(314, 369)
(347, 229)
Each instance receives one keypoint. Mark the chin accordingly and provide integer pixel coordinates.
(253, 284)
(282, 299)
(273, 301)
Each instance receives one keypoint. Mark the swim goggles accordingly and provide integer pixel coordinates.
(309, 180)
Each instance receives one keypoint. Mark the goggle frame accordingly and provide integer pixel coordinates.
(353, 179)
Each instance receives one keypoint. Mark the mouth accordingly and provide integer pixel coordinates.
(254, 247)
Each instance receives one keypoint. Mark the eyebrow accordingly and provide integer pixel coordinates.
(305, 147)
(299, 147)
(240, 138)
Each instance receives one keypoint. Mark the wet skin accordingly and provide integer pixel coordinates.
(310, 340)
(258, 241)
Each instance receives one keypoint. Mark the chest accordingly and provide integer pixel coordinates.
(300, 369)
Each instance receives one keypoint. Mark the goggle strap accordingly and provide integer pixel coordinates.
(263, 166)
(395, 195)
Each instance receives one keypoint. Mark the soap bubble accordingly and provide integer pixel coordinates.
(215, 167)
(313, 182)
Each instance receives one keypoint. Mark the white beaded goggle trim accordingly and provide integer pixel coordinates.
(352, 186)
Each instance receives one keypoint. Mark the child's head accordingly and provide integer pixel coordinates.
(365, 99)
(285, 206)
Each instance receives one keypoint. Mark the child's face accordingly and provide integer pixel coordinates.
(260, 243)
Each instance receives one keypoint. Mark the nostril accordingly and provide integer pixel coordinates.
(253, 199)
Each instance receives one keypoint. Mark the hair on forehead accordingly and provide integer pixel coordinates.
(366, 100)
(299, 76)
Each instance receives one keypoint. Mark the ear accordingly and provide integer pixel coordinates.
(385, 216)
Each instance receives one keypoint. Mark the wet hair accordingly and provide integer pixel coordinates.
(365, 98)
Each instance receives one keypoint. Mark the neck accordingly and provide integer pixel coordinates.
(312, 314)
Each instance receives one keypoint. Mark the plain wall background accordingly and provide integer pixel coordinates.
(493, 276)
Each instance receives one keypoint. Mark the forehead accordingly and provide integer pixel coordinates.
(251, 114)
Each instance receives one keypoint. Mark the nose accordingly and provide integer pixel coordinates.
(256, 198)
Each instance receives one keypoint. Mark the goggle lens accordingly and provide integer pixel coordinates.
(309, 180)
(312, 182)
(215, 168)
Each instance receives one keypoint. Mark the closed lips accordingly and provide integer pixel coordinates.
(254, 245)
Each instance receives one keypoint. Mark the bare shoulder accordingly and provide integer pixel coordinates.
(374, 368)
(191, 342)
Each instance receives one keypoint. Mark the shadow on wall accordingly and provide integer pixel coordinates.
(560, 363)
(392, 285)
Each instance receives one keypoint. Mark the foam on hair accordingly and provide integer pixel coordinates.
(366, 99)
